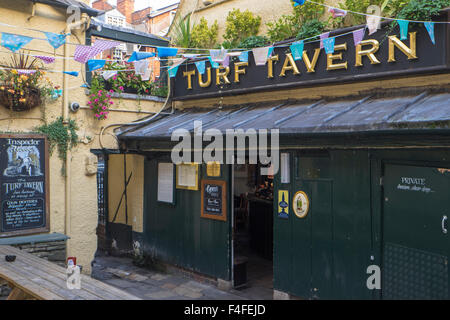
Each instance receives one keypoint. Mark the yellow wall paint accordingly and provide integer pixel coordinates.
(135, 190)
(84, 216)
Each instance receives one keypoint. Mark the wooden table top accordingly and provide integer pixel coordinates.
(47, 281)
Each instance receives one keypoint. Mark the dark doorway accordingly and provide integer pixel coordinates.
(253, 230)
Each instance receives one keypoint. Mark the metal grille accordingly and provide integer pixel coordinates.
(414, 274)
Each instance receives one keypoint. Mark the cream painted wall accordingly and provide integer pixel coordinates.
(83, 203)
(135, 190)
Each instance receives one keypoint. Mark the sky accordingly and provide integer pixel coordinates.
(141, 4)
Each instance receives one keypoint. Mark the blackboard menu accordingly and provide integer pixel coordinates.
(24, 184)
(214, 199)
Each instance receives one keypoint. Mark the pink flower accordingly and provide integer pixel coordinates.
(104, 107)
(89, 102)
(121, 88)
(111, 91)
(96, 100)
(111, 102)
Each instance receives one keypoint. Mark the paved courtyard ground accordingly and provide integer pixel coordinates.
(151, 285)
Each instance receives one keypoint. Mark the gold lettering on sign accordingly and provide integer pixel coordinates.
(370, 53)
(238, 71)
(189, 75)
(395, 42)
(311, 66)
(270, 66)
(223, 75)
(208, 81)
(289, 64)
(332, 56)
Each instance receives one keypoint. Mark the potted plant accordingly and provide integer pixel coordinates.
(23, 84)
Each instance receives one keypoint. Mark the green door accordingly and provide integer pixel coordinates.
(313, 243)
(416, 245)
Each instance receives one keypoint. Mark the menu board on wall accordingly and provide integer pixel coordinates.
(214, 197)
(165, 182)
(24, 184)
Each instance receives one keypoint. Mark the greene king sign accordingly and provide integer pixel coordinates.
(378, 55)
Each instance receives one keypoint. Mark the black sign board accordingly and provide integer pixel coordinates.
(380, 55)
(23, 184)
(214, 199)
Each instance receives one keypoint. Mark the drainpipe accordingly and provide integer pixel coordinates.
(65, 114)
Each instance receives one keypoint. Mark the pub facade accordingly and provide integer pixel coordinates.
(357, 208)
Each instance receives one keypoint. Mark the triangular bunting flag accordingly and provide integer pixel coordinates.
(173, 71)
(403, 29)
(200, 66)
(297, 50)
(218, 55)
(140, 67)
(137, 55)
(108, 74)
(56, 40)
(95, 64)
(214, 65)
(358, 36)
(328, 44)
(322, 37)
(373, 24)
(430, 28)
(71, 73)
(166, 52)
(46, 59)
(298, 2)
(260, 55)
(335, 12)
(14, 42)
(101, 45)
(243, 57)
(83, 53)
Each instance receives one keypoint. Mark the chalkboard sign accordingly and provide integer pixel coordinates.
(24, 184)
(214, 199)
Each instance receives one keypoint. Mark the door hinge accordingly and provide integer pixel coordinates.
(381, 181)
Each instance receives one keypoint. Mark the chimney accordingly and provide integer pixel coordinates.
(126, 7)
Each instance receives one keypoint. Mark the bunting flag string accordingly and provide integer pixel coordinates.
(166, 52)
(95, 64)
(335, 12)
(108, 74)
(138, 55)
(243, 57)
(260, 55)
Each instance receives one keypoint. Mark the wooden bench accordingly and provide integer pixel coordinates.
(31, 277)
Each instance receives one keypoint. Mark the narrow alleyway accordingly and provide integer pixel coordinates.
(151, 285)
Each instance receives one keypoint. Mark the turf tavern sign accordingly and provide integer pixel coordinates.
(379, 55)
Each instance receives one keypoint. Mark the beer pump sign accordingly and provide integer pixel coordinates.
(379, 55)
(24, 184)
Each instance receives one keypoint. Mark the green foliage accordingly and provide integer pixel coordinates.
(309, 11)
(183, 33)
(284, 28)
(241, 25)
(289, 26)
(253, 42)
(62, 136)
(311, 28)
(422, 10)
(204, 36)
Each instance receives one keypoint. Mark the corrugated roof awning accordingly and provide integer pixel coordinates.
(364, 115)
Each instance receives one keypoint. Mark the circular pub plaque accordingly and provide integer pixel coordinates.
(300, 204)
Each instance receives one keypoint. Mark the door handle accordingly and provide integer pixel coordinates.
(444, 220)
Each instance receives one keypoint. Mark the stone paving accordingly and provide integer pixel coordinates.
(151, 285)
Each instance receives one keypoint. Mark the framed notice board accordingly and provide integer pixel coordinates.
(214, 199)
(24, 185)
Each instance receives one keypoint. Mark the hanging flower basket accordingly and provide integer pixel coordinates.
(20, 100)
